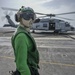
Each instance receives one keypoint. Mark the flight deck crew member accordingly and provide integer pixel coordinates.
(25, 50)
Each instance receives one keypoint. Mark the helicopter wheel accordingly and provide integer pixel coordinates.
(56, 31)
(33, 31)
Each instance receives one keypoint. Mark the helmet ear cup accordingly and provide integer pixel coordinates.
(17, 17)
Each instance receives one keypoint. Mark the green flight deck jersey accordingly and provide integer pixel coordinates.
(25, 51)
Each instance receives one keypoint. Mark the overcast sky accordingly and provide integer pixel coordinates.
(43, 6)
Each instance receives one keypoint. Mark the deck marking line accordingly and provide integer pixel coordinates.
(45, 62)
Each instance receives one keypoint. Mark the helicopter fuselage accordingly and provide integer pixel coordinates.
(52, 24)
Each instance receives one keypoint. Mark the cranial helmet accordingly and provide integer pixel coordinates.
(26, 13)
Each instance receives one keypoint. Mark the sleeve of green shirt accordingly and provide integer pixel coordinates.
(21, 54)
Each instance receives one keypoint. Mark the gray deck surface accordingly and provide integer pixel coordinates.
(57, 54)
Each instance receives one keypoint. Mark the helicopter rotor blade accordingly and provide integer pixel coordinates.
(40, 13)
(42, 16)
(12, 9)
(51, 15)
(65, 18)
(11, 13)
(2, 18)
(66, 13)
(5, 12)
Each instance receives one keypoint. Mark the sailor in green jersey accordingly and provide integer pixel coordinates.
(25, 50)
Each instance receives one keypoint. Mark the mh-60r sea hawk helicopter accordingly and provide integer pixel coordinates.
(57, 25)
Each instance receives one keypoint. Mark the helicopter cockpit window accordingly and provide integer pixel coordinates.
(67, 25)
(44, 25)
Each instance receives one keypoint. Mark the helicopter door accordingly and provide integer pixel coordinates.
(51, 26)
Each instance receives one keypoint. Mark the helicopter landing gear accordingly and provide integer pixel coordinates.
(56, 31)
(33, 31)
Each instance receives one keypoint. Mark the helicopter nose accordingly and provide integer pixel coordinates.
(37, 20)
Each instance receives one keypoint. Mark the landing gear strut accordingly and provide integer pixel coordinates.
(33, 31)
(56, 31)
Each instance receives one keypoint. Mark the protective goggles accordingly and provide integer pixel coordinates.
(27, 16)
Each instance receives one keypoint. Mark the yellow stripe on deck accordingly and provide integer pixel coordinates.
(45, 62)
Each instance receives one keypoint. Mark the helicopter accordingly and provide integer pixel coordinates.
(9, 20)
(47, 23)
(11, 23)
(11, 26)
(55, 25)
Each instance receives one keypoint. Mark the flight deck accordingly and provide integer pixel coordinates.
(57, 53)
